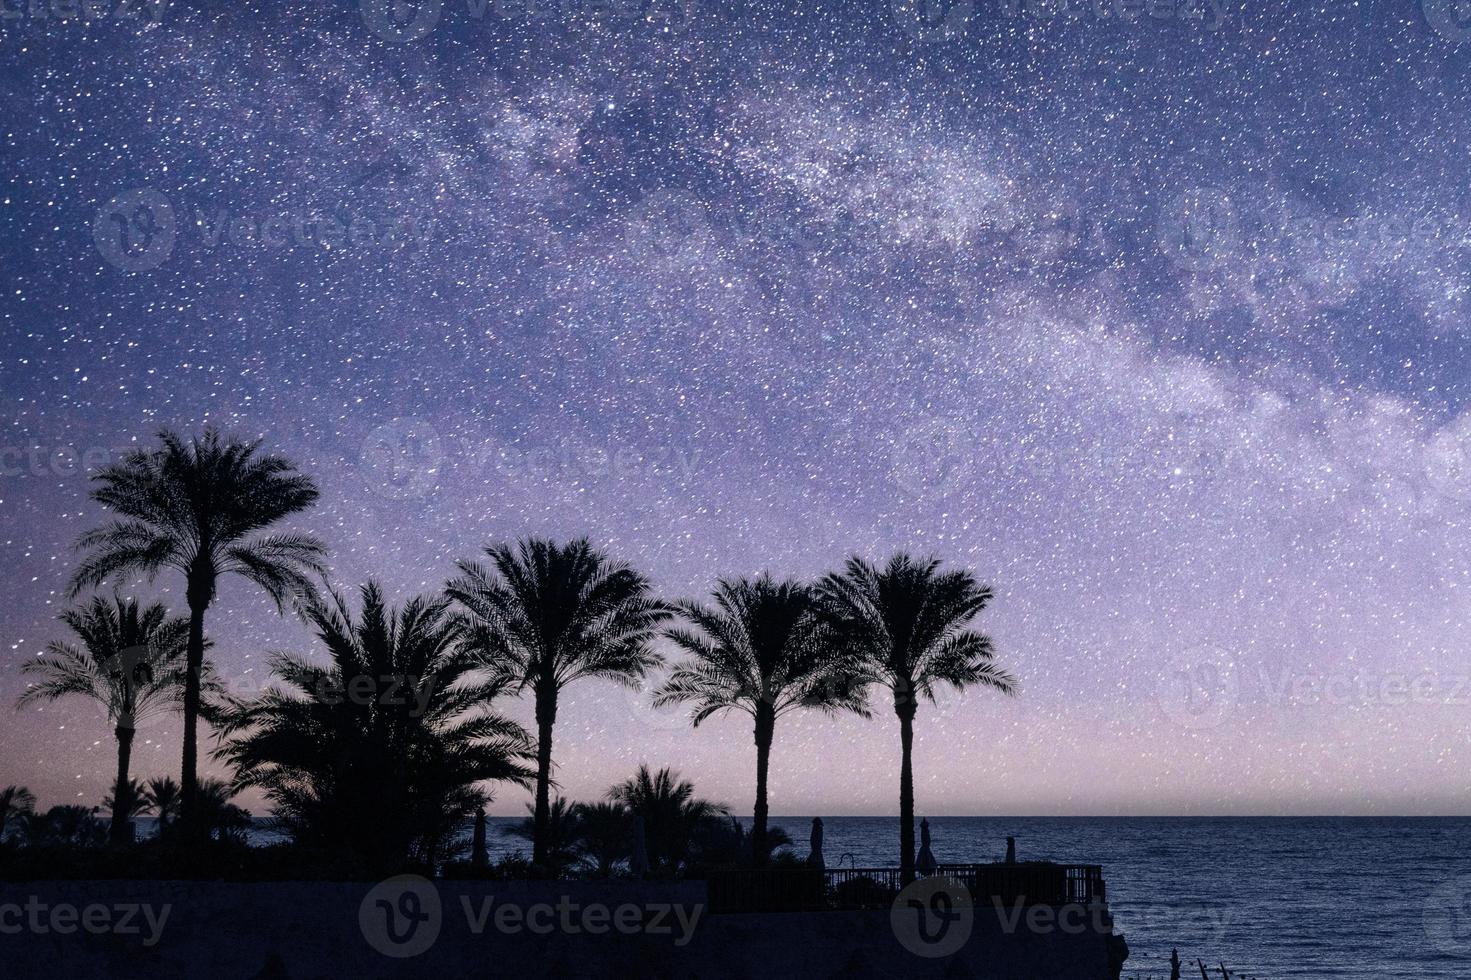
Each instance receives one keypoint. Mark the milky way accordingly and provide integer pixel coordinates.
(1153, 314)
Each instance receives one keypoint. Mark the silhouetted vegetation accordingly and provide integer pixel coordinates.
(378, 757)
(200, 507)
(381, 753)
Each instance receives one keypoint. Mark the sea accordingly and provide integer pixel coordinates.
(1361, 898)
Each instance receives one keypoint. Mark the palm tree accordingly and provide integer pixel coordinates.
(381, 751)
(162, 796)
(908, 626)
(124, 806)
(16, 803)
(563, 834)
(604, 835)
(201, 507)
(671, 812)
(130, 660)
(762, 650)
(221, 819)
(552, 615)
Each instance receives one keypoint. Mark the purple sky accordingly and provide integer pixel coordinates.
(1160, 329)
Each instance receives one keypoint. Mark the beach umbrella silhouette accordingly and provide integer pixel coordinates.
(814, 860)
(479, 856)
(638, 862)
(926, 862)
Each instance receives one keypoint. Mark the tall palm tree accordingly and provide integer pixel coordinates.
(552, 615)
(162, 796)
(201, 506)
(381, 751)
(671, 812)
(16, 803)
(130, 660)
(909, 626)
(762, 650)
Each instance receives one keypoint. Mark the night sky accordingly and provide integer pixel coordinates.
(1158, 324)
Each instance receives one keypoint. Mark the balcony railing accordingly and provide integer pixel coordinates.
(810, 889)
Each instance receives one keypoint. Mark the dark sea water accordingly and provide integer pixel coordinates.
(1362, 898)
(1365, 898)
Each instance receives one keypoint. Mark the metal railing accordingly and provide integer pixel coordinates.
(811, 889)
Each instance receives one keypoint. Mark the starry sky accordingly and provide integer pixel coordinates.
(1153, 315)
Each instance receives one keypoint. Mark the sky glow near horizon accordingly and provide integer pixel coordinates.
(1161, 329)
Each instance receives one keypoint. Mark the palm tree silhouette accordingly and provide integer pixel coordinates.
(16, 803)
(671, 812)
(162, 796)
(908, 627)
(199, 506)
(604, 835)
(130, 660)
(552, 615)
(760, 649)
(132, 801)
(379, 752)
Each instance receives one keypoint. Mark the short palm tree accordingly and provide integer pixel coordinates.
(563, 834)
(202, 507)
(604, 835)
(762, 650)
(908, 625)
(16, 803)
(550, 615)
(162, 795)
(128, 659)
(131, 802)
(381, 751)
(671, 813)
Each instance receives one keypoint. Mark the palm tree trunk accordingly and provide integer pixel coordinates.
(120, 803)
(906, 793)
(189, 823)
(546, 717)
(765, 730)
